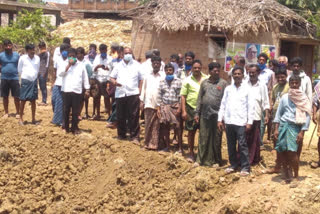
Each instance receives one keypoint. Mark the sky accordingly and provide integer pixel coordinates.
(58, 1)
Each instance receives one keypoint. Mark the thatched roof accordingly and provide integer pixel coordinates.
(235, 16)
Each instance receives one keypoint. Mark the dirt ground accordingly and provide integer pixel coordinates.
(43, 170)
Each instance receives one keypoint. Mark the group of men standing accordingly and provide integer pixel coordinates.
(172, 96)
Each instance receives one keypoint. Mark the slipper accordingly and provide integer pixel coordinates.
(190, 159)
(315, 165)
(21, 123)
(35, 122)
(244, 173)
(229, 170)
(17, 116)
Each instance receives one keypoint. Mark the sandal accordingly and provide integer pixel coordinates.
(229, 170)
(315, 165)
(244, 173)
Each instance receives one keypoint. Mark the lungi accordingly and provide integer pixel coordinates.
(152, 127)
(29, 90)
(57, 105)
(287, 139)
(253, 141)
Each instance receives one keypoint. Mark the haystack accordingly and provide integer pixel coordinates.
(86, 31)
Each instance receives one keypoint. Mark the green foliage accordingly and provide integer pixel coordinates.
(29, 27)
(32, 1)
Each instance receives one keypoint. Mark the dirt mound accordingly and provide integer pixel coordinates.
(86, 31)
(43, 170)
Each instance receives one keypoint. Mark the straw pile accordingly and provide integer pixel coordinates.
(86, 31)
(233, 16)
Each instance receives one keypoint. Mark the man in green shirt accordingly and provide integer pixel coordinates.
(189, 95)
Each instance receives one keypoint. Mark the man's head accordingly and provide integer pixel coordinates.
(241, 61)
(7, 45)
(196, 68)
(214, 70)
(149, 54)
(188, 58)
(103, 48)
(66, 40)
(174, 58)
(64, 50)
(114, 47)
(42, 45)
(80, 53)
(254, 72)
(156, 63)
(283, 61)
(296, 64)
(72, 55)
(93, 47)
(281, 75)
(273, 64)
(127, 57)
(262, 58)
(156, 52)
(237, 74)
(30, 49)
(169, 69)
(294, 82)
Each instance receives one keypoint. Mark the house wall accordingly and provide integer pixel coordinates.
(144, 39)
(102, 5)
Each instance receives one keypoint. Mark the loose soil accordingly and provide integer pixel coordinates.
(43, 170)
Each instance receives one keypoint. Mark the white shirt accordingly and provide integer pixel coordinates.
(259, 92)
(29, 68)
(102, 75)
(265, 76)
(60, 65)
(149, 93)
(146, 68)
(129, 76)
(75, 78)
(237, 107)
(306, 85)
(56, 54)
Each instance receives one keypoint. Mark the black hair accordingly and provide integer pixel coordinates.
(274, 62)
(280, 71)
(196, 61)
(156, 52)
(255, 66)
(93, 46)
(120, 49)
(213, 65)
(264, 56)
(103, 47)
(149, 54)
(42, 44)
(296, 60)
(190, 53)
(156, 59)
(237, 68)
(80, 50)
(64, 47)
(242, 60)
(115, 46)
(295, 77)
(167, 66)
(66, 40)
(175, 56)
(7, 42)
(72, 50)
(29, 47)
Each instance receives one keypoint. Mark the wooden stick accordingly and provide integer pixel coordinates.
(312, 135)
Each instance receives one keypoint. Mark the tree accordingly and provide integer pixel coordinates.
(29, 27)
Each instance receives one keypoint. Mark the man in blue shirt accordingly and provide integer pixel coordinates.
(9, 76)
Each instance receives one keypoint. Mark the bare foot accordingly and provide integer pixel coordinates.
(21, 123)
(5, 116)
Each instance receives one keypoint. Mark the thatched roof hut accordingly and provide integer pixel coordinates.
(238, 21)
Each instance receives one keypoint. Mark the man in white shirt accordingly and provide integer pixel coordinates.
(146, 67)
(57, 99)
(28, 68)
(57, 52)
(259, 93)
(149, 96)
(126, 76)
(101, 68)
(74, 79)
(265, 77)
(236, 116)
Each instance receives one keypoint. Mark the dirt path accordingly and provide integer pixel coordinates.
(43, 170)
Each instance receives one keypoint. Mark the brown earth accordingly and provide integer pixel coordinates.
(43, 170)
